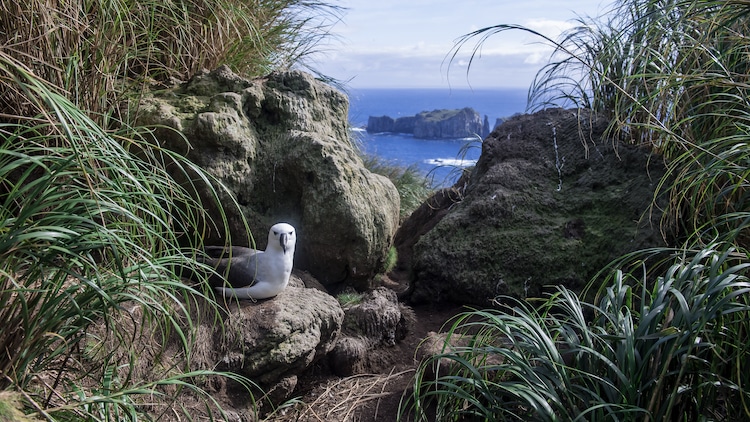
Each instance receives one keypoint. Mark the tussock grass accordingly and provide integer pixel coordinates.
(91, 228)
(94, 214)
(100, 53)
(671, 349)
(413, 186)
(670, 75)
(667, 336)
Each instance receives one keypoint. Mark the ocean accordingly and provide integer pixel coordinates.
(437, 158)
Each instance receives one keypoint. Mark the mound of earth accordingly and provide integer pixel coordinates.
(550, 203)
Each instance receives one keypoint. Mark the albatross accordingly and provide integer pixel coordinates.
(253, 274)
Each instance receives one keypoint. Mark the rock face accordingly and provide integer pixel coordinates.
(378, 124)
(405, 124)
(376, 323)
(447, 124)
(543, 207)
(273, 341)
(280, 145)
(434, 124)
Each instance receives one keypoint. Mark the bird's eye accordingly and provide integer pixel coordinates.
(290, 233)
(275, 233)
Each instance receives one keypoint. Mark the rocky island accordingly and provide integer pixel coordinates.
(436, 124)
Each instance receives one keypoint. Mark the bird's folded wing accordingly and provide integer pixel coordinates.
(226, 252)
(237, 271)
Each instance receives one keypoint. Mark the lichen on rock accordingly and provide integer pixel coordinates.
(274, 339)
(281, 147)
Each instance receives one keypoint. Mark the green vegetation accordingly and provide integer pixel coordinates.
(97, 54)
(663, 350)
(10, 408)
(349, 298)
(666, 337)
(413, 187)
(390, 260)
(93, 220)
(439, 115)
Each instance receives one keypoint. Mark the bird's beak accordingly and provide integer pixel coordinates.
(282, 240)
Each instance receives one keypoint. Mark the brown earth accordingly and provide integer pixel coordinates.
(371, 397)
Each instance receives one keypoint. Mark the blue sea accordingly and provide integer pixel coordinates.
(437, 158)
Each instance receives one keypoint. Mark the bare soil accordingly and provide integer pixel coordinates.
(374, 396)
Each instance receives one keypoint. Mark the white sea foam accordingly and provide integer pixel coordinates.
(450, 162)
(358, 129)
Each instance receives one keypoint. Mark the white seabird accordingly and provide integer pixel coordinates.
(254, 274)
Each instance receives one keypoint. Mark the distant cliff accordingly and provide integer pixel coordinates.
(436, 124)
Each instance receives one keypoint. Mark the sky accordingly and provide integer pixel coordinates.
(404, 44)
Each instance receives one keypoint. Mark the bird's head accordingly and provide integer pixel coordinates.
(282, 236)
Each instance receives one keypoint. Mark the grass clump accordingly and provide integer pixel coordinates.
(665, 338)
(11, 408)
(349, 298)
(391, 260)
(93, 217)
(103, 52)
(91, 228)
(671, 349)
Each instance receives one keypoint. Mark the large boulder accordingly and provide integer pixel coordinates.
(372, 325)
(281, 147)
(275, 340)
(271, 342)
(550, 202)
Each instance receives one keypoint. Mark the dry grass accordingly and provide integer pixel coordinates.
(363, 397)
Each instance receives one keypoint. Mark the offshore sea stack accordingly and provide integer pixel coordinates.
(436, 124)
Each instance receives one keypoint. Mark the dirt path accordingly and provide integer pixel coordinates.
(367, 397)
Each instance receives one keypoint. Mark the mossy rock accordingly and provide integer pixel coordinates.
(542, 208)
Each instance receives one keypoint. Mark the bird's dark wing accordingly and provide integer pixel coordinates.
(226, 252)
(237, 269)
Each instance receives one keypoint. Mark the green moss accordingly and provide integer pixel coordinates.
(348, 299)
(438, 115)
(11, 408)
(189, 104)
(523, 247)
(390, 259)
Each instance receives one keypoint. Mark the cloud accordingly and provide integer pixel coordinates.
(389, 43)
(393, 69)
(549, 27)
